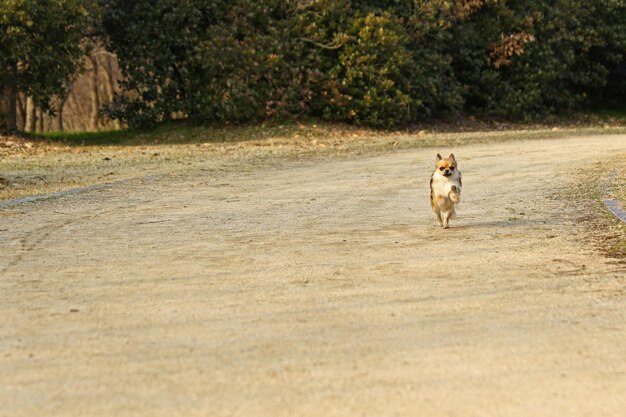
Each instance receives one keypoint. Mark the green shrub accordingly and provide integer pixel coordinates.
(373, 62)
(573, 47)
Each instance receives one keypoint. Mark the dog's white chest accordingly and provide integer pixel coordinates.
(443, 185)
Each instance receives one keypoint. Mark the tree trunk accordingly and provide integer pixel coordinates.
(94, 119)
(12, 98)
(31, 116)
(21, 111)
(110, 85)
(75, 105)
(58, 117)
(4, 106)
(40, 120)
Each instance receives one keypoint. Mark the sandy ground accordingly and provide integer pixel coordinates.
(38, 166)
(317, 289)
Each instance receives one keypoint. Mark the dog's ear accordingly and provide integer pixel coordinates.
(452, 157)
(438, 158)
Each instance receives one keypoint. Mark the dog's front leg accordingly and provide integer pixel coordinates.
(446, 218)
(438, 217)
(454, 194)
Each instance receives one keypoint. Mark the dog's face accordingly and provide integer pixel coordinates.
(445, 166)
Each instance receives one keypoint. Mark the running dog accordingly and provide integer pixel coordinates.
(445, 189)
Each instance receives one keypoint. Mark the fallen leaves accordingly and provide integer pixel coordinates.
(14, 145)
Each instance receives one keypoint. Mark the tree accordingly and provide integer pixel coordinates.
(523, 59)
(247, 60)
(40, 50)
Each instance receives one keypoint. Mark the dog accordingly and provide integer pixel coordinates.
(445, 189)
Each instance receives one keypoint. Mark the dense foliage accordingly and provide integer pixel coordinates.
(40, 48)
(372, 61)
(376, 62)
(546, 57)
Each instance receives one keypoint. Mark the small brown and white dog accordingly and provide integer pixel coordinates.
(445, 189)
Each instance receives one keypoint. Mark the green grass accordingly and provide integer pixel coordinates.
(106, 138)
(615, 112)
(185, 133)
(110, 137)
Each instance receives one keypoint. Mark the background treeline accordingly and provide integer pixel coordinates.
(376, 62)
(54, 73)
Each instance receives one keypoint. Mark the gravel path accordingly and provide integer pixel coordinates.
(317, 289)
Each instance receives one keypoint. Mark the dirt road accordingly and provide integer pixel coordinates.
(317, 289)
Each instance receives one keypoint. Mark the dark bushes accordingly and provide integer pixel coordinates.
(373, 62)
